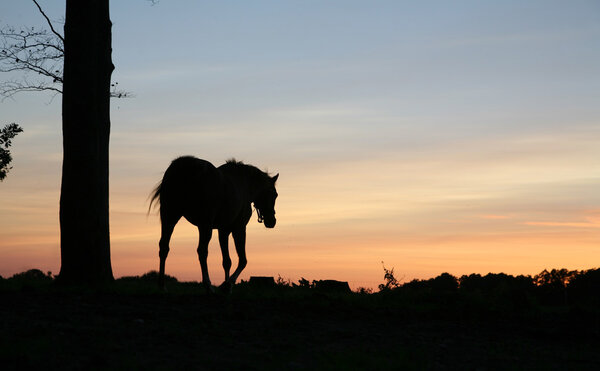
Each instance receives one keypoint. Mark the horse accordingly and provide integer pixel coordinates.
(213, 198)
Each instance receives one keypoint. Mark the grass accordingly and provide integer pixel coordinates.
(498, 322)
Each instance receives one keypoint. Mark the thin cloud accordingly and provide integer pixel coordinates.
(592, 217)
(564, 224)
(491, 216)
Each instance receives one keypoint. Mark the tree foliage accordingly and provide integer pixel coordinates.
(500, 291)
(6, 135)
(556, 277)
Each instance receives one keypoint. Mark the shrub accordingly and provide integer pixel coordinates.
(304, 283)
(584, 287)
(390, 280)
(32, 276)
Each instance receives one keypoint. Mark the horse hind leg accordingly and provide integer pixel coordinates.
(167, 227)
(239, 238)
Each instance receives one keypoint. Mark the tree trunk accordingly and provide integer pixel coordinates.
(85, 236)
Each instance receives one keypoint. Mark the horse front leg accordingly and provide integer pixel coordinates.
(204, 239)
(239, 238)
(224, 243)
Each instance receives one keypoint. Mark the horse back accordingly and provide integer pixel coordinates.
(192, 187)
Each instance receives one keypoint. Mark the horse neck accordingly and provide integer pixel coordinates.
(248, 179)
(256, 181)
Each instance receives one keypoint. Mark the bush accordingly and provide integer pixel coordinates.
(498, 291)
(390, 281)
(150, 277)
(584, 288)
(33, 276)
(445, 282)
(30, 279)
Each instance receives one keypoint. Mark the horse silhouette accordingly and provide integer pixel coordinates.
(213, 198)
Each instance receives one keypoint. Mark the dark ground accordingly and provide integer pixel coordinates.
(131, 325)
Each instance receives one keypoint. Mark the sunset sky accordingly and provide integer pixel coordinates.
(435, 136)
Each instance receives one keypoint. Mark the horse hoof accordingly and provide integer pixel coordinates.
(225, 287)
(162, 287)
(210, 290)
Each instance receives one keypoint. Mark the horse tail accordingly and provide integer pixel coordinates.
(155, 197)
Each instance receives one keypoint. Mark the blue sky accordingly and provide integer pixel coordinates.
(409, 131)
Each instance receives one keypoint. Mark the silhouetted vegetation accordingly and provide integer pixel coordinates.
(499, 292)
(493, 321)
(390, 281)
(493, 291)
(7, 133)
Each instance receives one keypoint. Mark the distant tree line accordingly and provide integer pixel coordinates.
(468, 295)
(554, 287)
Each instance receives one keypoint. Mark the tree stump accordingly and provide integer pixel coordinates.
(259, 281)
(332, 286)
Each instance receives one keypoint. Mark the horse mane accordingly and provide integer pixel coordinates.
(251, 170)
(233, 161)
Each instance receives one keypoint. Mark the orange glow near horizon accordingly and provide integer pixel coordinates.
(457, 137)
(340, 240)
(421, 218)
(357, 260)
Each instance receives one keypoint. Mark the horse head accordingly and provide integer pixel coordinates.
(265, 202)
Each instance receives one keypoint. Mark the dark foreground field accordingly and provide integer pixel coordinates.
(131, 325)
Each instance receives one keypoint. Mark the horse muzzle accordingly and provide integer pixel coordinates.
(270, 223)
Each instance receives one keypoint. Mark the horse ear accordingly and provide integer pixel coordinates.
(274, 179)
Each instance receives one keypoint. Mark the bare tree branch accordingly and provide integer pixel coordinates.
(29, 50)
(39, 51)
(114, 93)
(49, 23)
(10, 88)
